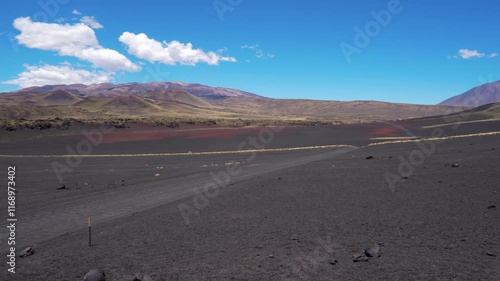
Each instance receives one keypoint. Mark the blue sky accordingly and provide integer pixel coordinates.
(414, 51)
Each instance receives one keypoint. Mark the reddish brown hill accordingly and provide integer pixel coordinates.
(59, 97)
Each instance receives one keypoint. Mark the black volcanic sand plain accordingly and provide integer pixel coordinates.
(286, 215)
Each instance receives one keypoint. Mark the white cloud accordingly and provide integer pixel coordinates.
(91, 21)
(75, 12)
(468, 54)
(222, 50)
(170, 53)
(251, 47)
(55, 75)
(77, 40)
(259, 53)
(51, 36)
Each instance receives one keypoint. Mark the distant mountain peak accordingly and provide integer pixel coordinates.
(481, 95)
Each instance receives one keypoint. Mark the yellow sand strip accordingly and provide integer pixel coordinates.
(181, 153)
(436, 139)
(459, 123)
(394, 138)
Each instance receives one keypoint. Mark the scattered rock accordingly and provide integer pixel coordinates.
(359, 258)
(455, 165)
(294, 237)
(370, 157)
(61, 187)
(26, 252)
(372, 251)
(95, 275)
(491, 254)
(492, 207)
(157, 175)
(333, 262)
(271, 256)
(142, 277)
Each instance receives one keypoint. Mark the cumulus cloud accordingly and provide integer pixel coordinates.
(467, 54)
(170, 53)
(56, 75)
(91, 22)
(75, 12)
(77, 40)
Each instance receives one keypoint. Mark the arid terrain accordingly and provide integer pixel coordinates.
(201, 202)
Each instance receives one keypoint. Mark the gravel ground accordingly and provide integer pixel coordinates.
(288, 216)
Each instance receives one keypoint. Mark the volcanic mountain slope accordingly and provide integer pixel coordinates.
(483, 112)
(128, 102)
(484, 94)
(52, 97)
(178, 99)
(60, 97)
(167, 103)
(165, 97)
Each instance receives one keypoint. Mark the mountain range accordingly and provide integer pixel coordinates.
(188, 100)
